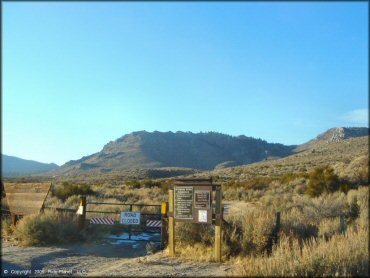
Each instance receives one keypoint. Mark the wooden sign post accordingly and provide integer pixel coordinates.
(81, 213)
(171, 224)
(164, 228)
(25, 198)
(191, 200)
(218, 222)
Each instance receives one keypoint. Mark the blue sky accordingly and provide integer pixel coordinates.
(78, 75)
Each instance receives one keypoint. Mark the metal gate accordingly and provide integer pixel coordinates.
(150, 222)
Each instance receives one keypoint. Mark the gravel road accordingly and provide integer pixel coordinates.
(100, 259)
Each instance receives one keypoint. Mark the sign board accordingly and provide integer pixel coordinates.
(193, 203)
(183, 202)
(191, 200)
(130, 218)
(202, 199)
(26, 198)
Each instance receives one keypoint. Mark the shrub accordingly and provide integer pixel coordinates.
(165, 186)
(313, 210)
(342, 255)
(133, 184)
(68, 189)
(328, 227)
(53, 202)
(45, 228)
(322, 179)
(150, 183)
(191, 233)
(288, 177)
(256, 183)
(344, 188)
(72, 202)
(6, 227)
(358, 205)
(249, 233)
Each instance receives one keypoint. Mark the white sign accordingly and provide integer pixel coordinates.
(80, 209)
(130, 218)
(202, 216)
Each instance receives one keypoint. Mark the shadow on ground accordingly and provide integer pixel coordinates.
(34, 259)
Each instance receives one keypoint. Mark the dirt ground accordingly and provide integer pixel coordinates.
(100, 259)
(106, 259)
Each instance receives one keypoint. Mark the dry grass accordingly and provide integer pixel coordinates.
(7, 228)
(342, 255)
(338, 155)
(249, 233)
(309, 242)
(196, 252)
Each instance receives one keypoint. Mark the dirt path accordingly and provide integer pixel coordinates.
(126, 259)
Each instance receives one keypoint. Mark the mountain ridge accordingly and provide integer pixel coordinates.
(203, 151)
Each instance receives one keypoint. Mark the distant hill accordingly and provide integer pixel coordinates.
(181, 149)
(14, 166)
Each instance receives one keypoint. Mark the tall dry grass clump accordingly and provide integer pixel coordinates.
(46, 228)
(248, 233)
(342, 255)
(358, 202)
(6, 228)
(195, 252)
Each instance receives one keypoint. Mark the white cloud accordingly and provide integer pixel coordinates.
(357, 116)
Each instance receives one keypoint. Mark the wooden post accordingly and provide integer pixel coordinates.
(164, 228)
(278, 220)
(171, 223)
(14, 218)
(218, 230)
(82, 217)
(129, 227)
(277, 227)
(341, 224)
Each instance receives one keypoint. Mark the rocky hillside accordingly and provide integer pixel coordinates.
(181, 149)
(334, 135)
(348, 157)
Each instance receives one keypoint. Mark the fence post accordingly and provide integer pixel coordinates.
(81, 217)
(14, 218)
(277, 227)
(164, 233)
(129, 227)
(171, 223)
(341, 224)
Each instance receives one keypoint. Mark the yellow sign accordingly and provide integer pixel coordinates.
(164, 208)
